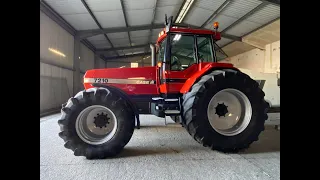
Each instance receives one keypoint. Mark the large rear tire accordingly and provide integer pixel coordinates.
(225, 97)
(96, 123)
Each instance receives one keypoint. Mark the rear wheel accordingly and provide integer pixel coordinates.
(225, 110)
(96, 123)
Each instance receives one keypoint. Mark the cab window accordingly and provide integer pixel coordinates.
(182, 51)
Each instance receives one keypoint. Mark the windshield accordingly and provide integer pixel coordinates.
(183, 50)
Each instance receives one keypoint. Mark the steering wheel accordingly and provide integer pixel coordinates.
(176, 62)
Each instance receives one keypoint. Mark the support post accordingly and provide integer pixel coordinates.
(76, 65)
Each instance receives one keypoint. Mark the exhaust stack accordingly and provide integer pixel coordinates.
(153, 55)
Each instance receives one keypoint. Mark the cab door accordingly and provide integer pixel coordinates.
(187, 51)
(179, 61)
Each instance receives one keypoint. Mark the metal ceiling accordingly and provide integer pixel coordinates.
(120, 28)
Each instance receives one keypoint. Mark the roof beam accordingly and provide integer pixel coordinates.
(101, 51)
(45, 8)
(125, 20)
(88, 44)
(98, 24)
(223, 5)
(262, 26)
(52, 14)
(260, 6)
(88, 33)
(256, 29)
(232, 37)
(126, 56)
(273, 2)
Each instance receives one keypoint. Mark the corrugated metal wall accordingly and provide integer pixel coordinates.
(53, 36)
(56, 76)
(56, 71)
(141, 60)
(86, 58)
(56, 85)
(100, 63)
(114, 64)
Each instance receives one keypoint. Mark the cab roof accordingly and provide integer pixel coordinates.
(163, 34)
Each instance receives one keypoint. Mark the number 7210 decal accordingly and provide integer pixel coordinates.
(100, 80)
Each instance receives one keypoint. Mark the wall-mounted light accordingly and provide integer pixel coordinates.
(57, 52)
(133, 65)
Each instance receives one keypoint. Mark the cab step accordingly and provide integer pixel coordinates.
(162, 107)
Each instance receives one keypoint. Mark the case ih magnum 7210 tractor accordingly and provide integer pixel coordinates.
(221, 107)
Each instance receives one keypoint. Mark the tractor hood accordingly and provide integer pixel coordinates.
(121, 76)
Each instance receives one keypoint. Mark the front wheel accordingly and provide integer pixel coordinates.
(225, 110)
(96, 123)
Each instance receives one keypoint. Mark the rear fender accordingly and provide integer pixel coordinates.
(123, 95)
(205, 70)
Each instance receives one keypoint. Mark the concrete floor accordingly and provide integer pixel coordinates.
(157, 151)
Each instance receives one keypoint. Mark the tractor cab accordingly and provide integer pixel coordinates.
(181, 51)
(182, 47)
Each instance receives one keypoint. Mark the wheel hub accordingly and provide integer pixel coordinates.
(229, 112)
(101, 120)
(221, 110)
(96, 124)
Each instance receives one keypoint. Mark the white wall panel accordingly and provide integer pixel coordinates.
(101, 63)
(56, 86)
(54, 36)
(262, 65)
(56, 75)
(86, 58)
(57, 72)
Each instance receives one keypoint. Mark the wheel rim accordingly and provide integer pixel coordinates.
(229, 112)
(96, 124)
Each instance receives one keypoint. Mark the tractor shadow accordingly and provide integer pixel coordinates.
(133, 152)
(269, 141)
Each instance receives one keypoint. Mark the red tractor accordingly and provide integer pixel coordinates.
(221, 107)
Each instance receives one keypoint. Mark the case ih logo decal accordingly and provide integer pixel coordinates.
(119, 81)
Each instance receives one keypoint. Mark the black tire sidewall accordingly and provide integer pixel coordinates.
(123, 116)
(245, 85)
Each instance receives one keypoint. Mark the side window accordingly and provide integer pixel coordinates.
(205, 53)
(220, 54)
(182, 52)
(161, 51)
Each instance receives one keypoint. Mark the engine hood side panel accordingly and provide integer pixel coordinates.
(133, 81)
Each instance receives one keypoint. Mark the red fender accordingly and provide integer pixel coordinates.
(189, 82)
